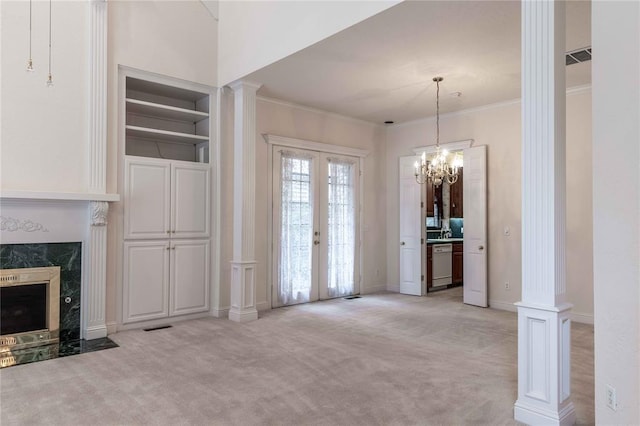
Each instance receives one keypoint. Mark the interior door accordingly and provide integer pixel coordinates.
(315, 226)
(410, 229)
(475, 226)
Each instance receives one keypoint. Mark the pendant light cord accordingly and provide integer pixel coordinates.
(30, 13)
(49, 38)
(438, 113)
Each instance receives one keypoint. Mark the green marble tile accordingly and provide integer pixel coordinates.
(66, 255)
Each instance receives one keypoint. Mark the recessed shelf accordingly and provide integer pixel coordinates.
(137, 106)
(164, 135)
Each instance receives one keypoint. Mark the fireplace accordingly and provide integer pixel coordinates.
(30, 312)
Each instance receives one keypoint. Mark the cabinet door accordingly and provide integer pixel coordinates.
(146, 198)
(456, 197)
(190, 200)
(146, 280)
(189, 277)
(457, 268)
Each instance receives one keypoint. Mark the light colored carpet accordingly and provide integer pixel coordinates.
(384, 359)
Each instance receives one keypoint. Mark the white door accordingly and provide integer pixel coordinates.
(475, 226)
(189, 277)
(315, 226)
(190, 200)
(410, 229)
(146, 198)
(146, 280)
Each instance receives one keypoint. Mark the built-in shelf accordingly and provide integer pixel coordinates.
(136, 106)
(164, 135)
(61, 196)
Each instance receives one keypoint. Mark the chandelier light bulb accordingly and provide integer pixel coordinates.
(50, 81)
(30, 65)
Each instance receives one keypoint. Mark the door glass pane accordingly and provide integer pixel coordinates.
(341, 238)
(296, 229)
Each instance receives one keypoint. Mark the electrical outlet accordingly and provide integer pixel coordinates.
(507, 286)
(507, 231)
(612, 400)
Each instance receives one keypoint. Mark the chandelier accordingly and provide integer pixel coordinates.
(437, 169)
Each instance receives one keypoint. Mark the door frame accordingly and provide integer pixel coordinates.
(455, 146)
(283, 141)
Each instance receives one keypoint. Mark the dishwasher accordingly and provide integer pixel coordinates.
(441, 264)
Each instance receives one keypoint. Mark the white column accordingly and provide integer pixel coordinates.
(243, 265)
(544, 328)
(94, 294)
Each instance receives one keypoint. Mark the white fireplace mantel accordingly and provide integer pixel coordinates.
(59, 196)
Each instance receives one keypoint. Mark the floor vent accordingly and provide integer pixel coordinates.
(577, 56)
(352, 297)
(160, 327)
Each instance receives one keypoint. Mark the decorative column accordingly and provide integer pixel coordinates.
(243, 265)
(94, 321)
(544, 328)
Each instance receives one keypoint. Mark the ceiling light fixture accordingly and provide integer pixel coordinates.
(437, 169)
(30, 61)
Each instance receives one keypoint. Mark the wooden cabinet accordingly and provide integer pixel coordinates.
(456, 192)
(165, 199)
(430, 198)
(457, 263)
(165, 278)
(429, 267)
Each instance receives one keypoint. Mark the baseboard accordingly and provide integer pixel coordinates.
(161, 321)
(112, 327)
(393, 287)
(220, 312)
(373, 289)
(263, 306)
(531, 415)
(503, 306)
(575, 316)
(243, 316)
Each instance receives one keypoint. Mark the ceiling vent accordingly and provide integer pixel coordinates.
(577, 56)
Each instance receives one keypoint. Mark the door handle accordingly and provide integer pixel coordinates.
(316, 242)
(480, 248)
(402, 243)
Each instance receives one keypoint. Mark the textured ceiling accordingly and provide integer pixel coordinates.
(382, 68)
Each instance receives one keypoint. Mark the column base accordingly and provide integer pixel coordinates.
(544, 365)
(96, 332)
(535, 416)
(243, 294)
(243, 316)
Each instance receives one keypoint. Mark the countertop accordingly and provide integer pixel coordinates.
(432, 241)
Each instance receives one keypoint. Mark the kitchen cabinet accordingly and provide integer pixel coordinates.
(164, 278)
(456, 193)
(457, 262)
(430, 199)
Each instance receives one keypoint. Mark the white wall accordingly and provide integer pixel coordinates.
(616, 208)
(498, 127)
(274, 117)
(44, 131)
(172, 38)
(254, 34)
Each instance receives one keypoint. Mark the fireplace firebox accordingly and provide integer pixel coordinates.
(29, 310)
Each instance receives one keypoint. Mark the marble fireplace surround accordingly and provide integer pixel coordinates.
(36, 229)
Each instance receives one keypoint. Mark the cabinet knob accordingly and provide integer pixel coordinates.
(174, 231)
(402, 243)
(168, 248)
(168, 232)
(316, 242)
(480, 248)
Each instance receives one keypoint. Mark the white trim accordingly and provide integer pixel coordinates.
(63, 196)
(512, 307)
(319, 111)
(449, 146)
(161, 321)
(112, 328)
(375, 289)
(314, 146)
(222, 312)
(395, 288)
(263, 306)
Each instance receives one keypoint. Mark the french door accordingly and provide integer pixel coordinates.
(315, 226)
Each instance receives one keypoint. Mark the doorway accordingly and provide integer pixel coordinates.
(315, 225)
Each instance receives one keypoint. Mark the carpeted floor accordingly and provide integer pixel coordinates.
(383, 359)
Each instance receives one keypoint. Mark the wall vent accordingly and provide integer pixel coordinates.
(577, 56)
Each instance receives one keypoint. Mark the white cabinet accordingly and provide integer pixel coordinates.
(165, 199)
(146, 280)
(165, 278)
